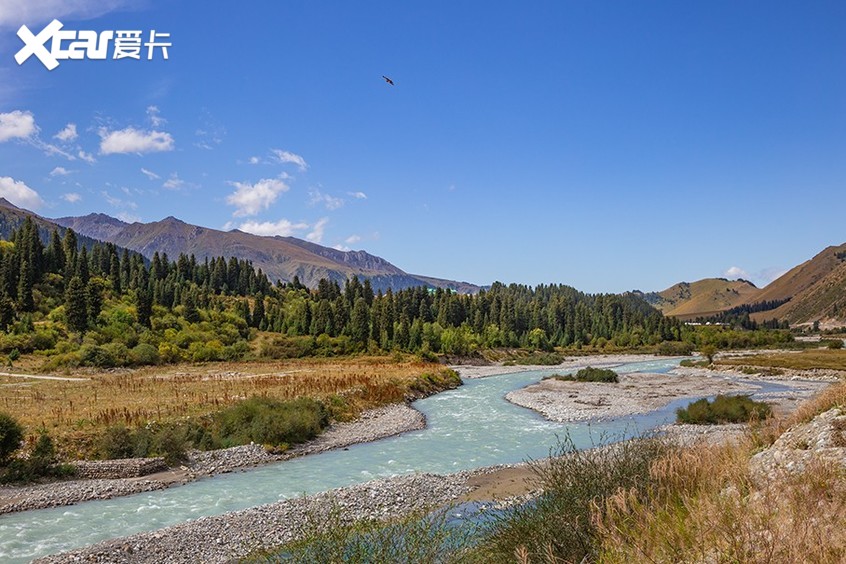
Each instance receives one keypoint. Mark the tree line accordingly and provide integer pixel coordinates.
(97, 293)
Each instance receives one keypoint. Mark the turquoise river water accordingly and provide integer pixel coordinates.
(469, 427)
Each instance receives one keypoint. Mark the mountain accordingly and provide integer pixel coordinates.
(701, 298)
(12, 217)
(281, 258)
(816, 290)
(812, 291)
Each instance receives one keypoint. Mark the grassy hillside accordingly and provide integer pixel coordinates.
(823, 297)
(804, 276)
(703, 297)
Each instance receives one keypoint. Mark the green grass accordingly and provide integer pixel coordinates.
(724, 409)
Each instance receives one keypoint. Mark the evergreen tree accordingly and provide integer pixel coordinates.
(258, 311)
(76, 305)
(25, 280)
(144, 306)
(7, 312)
(94, 294)
(360, 322)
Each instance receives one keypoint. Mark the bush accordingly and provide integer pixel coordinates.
(589, 374)
(287, 347)
(144, 354)
(116, 442)
(834, 344)
(724, 409)
(540, 359)
(560, 525)
(11, 435)
(272, 422)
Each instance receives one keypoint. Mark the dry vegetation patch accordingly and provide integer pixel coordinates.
(74, 410)
(707, 508)
(804, 360)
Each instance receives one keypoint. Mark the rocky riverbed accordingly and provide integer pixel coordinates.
(374, 424)
(637, 393)
(229, 536)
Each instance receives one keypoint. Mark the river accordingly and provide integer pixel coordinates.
(469, 427)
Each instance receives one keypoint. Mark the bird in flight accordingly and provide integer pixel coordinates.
(388, 80)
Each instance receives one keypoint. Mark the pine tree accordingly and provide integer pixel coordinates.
(25, 278)
(258, 311)
(94, 293)
(7, 312)
(76, 305)
(360, 322)
(144, 306)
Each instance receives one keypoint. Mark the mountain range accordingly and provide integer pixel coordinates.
(281, 258)
(812, 291)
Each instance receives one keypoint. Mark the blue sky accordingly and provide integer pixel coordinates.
(606, 145)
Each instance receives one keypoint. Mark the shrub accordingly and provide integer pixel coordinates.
(42, 462)
(589, 374)
(560, 525)
(11, 435)
(269, 421)
(541, 359)
(95, 355)
(116, 442)
(724, 409)
(144, 354)
(835, 344)
(170, 443)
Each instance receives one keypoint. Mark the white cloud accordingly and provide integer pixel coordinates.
(71, 197)
(283, 228)
(131, 140)
(13, 13)
(288, 157)
(150, 174)
(340, 247)
(67, 134)
(760, 278)
(352, 239)
(87, 157)
(156, 120)
(768, 275)
(331, 203)
(250, 199)
(254, 160)
(117, 202)
(19, 193)
(358, 195)
(174, 182)
(60, 171)
(128, 217)
(316, 233)
(17, 125)
(735, 272)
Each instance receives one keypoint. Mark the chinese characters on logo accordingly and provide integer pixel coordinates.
(87, 44)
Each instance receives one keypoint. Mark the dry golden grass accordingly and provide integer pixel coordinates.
(167, 393)
(805, 360)
(707, 508)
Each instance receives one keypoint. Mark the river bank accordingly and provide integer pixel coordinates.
(233, 535)
(373, 424)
